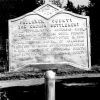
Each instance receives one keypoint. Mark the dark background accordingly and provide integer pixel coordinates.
(14, 8)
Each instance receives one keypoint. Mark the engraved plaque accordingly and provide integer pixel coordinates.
(47, 11)
(49, 35)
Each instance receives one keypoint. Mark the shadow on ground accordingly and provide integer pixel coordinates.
(82, 88)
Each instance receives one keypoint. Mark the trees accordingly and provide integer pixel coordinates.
(77, 6)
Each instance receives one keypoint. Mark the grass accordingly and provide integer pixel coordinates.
(39, 72)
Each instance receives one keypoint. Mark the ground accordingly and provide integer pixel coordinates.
(61, 72)
(69, 81)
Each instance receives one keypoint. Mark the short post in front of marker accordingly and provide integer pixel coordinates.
(50, 85)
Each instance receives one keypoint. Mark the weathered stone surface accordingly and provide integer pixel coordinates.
(49, 35)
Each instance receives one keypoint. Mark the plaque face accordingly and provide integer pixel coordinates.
(49, 35)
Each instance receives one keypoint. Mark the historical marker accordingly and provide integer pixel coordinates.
(49, 35)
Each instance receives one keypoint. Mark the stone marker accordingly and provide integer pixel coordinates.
(49, 35)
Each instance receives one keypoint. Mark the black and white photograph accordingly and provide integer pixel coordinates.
(49, 49)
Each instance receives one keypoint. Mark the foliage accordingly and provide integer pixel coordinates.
(77, 6)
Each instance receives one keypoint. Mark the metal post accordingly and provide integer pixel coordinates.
(50, 85)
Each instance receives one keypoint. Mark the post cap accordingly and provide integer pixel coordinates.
(50, 74)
